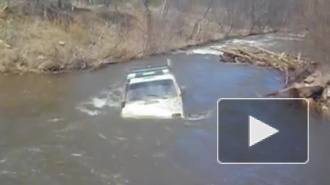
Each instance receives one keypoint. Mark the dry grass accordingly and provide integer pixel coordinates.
(90, 38)
(33, 44)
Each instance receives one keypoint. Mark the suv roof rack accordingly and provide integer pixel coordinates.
(168, 65)
(150, 70)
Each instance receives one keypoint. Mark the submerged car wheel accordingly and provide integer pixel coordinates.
(178, 115)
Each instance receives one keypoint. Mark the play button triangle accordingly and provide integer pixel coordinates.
(259, 131)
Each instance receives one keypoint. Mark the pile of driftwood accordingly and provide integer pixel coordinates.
(303, 80)
(262, 57)
(294, 66)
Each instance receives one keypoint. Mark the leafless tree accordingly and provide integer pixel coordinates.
(148, 21)
(197, 26)
(315, 17)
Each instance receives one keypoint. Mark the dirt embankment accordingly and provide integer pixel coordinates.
(303, 77)
(50, 40)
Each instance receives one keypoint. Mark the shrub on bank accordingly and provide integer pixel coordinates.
(51, 37)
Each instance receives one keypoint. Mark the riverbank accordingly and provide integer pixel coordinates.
(85, 38)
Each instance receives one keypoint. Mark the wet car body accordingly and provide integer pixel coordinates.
(152, 92)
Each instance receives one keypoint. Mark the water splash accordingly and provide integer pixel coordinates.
(199, 116)
(88, 111)
(106, 99)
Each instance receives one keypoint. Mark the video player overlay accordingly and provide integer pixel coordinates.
(265, 131)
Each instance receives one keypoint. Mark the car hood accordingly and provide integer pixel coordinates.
(155, 108)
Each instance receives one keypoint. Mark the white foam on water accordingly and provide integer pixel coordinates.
(288, 38)
(200, 116)
(268, 40)
(5, 172)
(248, 42)
(98, 104)
(76, 155)
(34, 150)
(54, 120)
(103, 136)
(214, 49)
(205, 51)
(259, 43)
(89, 112)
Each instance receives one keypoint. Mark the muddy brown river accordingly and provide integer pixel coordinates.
(66, 129)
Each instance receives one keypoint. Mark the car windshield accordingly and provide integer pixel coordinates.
(151, 90)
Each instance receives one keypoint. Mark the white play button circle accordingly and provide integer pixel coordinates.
(259, 131)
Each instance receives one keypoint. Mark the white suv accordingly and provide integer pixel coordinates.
(152, 92)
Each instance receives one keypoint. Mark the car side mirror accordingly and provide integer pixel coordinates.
(183, 90)
(123, 104)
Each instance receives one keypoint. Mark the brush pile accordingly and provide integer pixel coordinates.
(295, 67)
(303, 80)
(263, 57)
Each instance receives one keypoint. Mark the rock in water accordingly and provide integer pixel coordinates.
(311, 91)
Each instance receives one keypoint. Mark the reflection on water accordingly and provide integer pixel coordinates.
(28, 95)
(48, 136)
